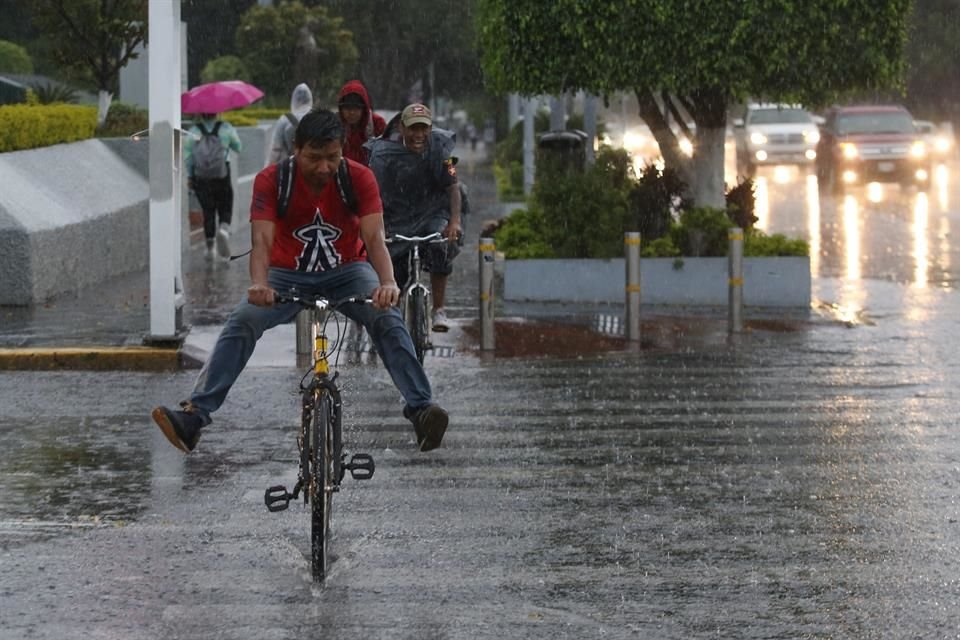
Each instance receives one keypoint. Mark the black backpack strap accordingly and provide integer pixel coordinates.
(345, 186)
(286, 172)
(292, 119)
(203, 129)
(216, 128)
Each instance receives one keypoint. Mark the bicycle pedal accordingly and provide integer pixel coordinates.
(360, 466)
(276, 498)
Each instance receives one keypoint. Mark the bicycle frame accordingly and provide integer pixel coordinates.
(320, 441)
(416, 293)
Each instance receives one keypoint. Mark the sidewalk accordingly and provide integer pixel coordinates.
(104, 327)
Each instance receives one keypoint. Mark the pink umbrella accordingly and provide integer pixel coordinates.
(217, 97)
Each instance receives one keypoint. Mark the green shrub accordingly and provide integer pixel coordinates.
(224, 68)
(521, 236)
(701, 232)
(123, 120)
(29, 127)
(239, 119)
(756, 244)
(52, 93)
(259, 113)
(653, 201)
(14, 58)
(660, 248)
(741, 201)
(584, 213)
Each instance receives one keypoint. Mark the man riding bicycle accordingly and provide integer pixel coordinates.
(418, 183)
(317, 247)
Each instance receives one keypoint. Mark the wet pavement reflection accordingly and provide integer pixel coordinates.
(797, 481)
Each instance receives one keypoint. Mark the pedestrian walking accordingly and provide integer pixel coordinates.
(207, 151)
(281, 147)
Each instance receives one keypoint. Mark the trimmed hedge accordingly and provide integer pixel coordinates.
(32, 126)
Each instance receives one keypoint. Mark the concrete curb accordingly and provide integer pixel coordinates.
(133, 358)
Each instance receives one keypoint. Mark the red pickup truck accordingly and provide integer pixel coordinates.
(870, 143)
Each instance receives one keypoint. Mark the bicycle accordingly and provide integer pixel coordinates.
(320, 440)
(416, 300)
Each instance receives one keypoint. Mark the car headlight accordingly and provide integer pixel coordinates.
(941, 144)
(811, 136)
(849, 150)
(758, 138)
(918, 149)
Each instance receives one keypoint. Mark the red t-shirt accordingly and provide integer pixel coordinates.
(319, 232)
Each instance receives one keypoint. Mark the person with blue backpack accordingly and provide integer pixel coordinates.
(206, 152)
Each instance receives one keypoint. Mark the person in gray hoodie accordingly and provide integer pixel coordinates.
(301, 101)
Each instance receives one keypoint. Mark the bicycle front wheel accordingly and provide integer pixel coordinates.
(321, 481)
(417, 323)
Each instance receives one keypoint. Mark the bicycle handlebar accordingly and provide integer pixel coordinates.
(433, 238)
(317, 302)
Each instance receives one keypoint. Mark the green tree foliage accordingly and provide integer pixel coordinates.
(211, 31)
(285, 45)
(94, 39)
(693, 60)
(225, 68)
(14, 58)
(398, 39)
(933, 58)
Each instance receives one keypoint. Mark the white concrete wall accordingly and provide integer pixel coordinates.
(74, 215)
(768, 282)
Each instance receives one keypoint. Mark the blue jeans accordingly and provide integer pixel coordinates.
(247, 322)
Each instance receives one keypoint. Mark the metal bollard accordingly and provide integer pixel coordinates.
(631, 242)
(305, 338)
(487, 258)
(735, 254)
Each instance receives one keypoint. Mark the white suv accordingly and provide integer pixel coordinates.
(775, 134)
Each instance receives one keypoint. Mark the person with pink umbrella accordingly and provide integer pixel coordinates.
(206, 153)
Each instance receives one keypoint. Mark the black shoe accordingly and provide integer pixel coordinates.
(182, 428)
(430, 423)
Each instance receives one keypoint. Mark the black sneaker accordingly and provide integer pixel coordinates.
(182, 428)
(430, 423)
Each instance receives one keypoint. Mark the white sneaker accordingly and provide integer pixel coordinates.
(208, 252)
(223, 242)
(441, 324)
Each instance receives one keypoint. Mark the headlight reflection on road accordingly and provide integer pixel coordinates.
(875, 192)
(813, 223)
(921, 252)
(941, 178)
(851, 237)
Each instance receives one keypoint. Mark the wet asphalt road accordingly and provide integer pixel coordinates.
(796, 483)
(784, 485)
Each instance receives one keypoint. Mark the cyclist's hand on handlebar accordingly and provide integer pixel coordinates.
(453, 232)
(386, 295)
(260, 295)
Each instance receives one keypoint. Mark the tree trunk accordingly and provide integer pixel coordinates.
(708, 185)
(673, 157)
(104, 98)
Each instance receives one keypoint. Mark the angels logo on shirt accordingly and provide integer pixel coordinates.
(318, 252)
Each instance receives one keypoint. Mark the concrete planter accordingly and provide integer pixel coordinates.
(75, 215)
(768, 282)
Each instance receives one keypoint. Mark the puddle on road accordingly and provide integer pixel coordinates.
(518, 338)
